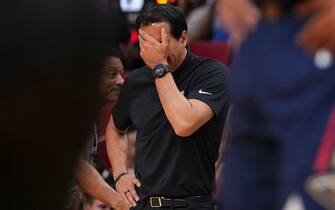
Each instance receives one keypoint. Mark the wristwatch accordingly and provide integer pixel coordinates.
(160, 70)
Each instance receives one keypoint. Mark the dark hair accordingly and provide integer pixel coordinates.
(164, 13)
(112, 52)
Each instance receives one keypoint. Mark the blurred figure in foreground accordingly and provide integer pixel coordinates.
(50, 56)
(284, 100)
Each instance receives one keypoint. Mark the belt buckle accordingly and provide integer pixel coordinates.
(156, 202)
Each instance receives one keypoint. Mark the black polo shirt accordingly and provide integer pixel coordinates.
(166, 164)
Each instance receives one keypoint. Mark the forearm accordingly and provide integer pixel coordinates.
(178, 108)
(185, 115)
(117, 149)
(91, 182)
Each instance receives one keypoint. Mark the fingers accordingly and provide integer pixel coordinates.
(134, 194)
(153, 52)
(122, 204)
(143, 45)
(142, 42)
(126, 199)
(164, 37)
(136, 182)
(146, 40)
(130, 198)
(126, 188)
(147, 37)
(132, 190)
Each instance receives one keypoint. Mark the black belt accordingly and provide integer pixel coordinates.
(159, 202)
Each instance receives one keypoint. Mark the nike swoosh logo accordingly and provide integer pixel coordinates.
(203, 92)
(182, 92)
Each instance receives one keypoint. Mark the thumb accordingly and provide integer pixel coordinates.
(136, 182)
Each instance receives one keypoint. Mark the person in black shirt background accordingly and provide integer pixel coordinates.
(283, 98)
(178, 102)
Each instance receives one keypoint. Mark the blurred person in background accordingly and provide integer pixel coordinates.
(199, 17)
(86, 176)
(110, 86)
(111, 79)
(283, 95)
(178, 102)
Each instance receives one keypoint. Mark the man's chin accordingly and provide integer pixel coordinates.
(113, 103)
(111, 100)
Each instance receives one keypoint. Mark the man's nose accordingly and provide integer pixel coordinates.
(119, 80)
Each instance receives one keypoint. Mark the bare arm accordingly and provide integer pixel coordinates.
(185, 115)
(117, 148)
(91, 182)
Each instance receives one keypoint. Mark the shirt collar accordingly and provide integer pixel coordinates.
(185, 68)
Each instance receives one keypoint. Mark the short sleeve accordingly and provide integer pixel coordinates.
(120, 112)
(212, 86)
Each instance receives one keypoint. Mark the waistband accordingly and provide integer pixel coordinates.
(160, 202)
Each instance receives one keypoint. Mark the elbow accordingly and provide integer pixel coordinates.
(183, 129)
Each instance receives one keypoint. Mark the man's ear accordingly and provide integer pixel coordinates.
(184, 38)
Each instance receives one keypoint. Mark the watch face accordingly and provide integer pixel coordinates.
(160, 71)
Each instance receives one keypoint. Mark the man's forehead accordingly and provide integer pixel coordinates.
(157, 25)
(112, 60)
(160, 24)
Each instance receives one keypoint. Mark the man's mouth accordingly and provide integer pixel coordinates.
(114, 91)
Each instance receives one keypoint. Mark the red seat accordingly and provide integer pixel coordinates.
(216, 50)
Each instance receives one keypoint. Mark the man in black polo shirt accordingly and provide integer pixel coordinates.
(178, 102)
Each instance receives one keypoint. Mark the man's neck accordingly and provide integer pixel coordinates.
(181, 60)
